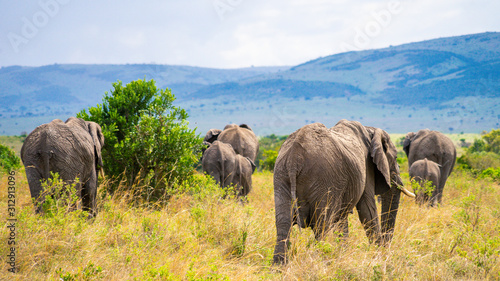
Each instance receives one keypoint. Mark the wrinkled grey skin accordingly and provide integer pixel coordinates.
(425, 171)
(241, 138)
(436, 147)
(228, 168)
(72, 149)
(328, 172)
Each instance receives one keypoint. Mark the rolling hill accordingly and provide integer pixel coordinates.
(448, 84)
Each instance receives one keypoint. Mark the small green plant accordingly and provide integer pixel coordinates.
(422, 189)
(89, 272)
(8, 159)
(60, 196)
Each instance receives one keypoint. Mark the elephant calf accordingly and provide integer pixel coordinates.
(228, 168)
(426, 171)
(72, 149)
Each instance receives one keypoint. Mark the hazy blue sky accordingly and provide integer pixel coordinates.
(224, 33)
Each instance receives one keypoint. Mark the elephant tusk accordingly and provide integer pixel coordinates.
(406, 192)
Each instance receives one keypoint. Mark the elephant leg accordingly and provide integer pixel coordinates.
(344, 226)
(89, 193)
(368, 216)
(283, 209)
(35, 184)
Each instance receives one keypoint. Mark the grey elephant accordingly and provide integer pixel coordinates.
(322, 173)
(72, 149)
(425, 171)
(241, 138)
(436, 147)
(228, 168)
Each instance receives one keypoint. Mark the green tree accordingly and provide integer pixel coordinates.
(147, 140)
(8, 159)
(492, 140)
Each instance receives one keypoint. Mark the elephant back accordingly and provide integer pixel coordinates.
(434, 146)
(243, 141)
(59, 147)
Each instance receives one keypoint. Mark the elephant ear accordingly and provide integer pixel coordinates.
(406, 143)
(212, 135)
(98, 139)
(382, 154)
(251, 163)
(246, 127)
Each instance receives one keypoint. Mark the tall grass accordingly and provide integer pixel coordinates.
(199, 235)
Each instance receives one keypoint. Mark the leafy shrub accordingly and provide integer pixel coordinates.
(147, 140)
(493, 173)
(267, 163)
(266, 145)
(8, 159)
(479, 160)
(483, 156)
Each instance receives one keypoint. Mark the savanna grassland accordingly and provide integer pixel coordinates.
(199, 235)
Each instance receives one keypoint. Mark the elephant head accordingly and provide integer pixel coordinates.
(406, 143)
(388, 182)
(212, 135)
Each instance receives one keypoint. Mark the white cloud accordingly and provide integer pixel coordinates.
(252, 33)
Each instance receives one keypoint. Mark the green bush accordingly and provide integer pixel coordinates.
(267, 144)
(269, 159)
(8, 159)
(147, 140)
(492, 173)
(479, 160)
(483, 156)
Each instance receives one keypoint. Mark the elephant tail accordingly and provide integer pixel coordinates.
(46, 155)
(426, 169)
(295, 204)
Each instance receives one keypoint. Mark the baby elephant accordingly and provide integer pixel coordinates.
(427, 174)
(228, 168)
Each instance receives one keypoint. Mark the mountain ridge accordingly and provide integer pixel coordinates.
(450, 84)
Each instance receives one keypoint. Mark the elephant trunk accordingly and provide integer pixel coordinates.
(390, 205)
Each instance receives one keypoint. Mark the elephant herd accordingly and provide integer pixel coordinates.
(321, 174)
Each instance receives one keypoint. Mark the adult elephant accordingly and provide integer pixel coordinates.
(321, 174)
(436, 147)
(228, 168)
(241, 138)
(427, 174)
(72, 149)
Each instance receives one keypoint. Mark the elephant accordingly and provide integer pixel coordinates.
(424, 171)
(436, 147)
(322, 173)
(241, 138)
(228, 168)
(72, 149)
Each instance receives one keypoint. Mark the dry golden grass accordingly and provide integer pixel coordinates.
(201, 236)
